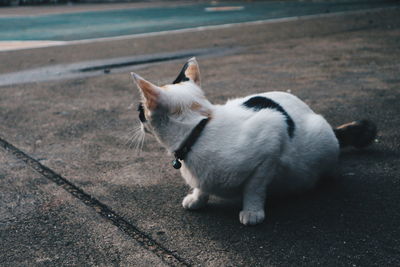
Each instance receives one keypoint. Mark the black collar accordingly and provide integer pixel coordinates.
(186, 145)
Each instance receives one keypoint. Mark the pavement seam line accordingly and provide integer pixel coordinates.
(142, 238)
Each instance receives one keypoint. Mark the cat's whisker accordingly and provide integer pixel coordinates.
(134, 139)
(129, 139)
(137, 138)
(142, 143)
(129, 142)
(131, 135)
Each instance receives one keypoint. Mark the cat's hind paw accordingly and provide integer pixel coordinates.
(248, 217)
(192, 202)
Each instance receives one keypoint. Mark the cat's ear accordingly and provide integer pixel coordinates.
(149, 91)
(190, 71)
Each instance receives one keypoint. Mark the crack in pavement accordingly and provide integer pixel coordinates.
(142, 238)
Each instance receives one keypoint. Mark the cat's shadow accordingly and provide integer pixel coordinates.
(349, 206)
(277, 207)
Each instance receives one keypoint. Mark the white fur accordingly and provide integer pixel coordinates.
(242, 152)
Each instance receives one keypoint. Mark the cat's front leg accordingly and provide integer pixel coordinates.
(253, 208)
(254, 195)
(196, 200)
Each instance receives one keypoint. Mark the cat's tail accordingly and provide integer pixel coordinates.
(357, 133)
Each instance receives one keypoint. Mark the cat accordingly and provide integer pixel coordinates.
(260, 144)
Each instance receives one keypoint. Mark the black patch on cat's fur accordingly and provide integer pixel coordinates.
(182, 77)
(259, 102)
(142, 117)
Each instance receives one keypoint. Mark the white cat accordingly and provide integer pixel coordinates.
(252, 146)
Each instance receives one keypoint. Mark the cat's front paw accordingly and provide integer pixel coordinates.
(248, 217)
(192, 202)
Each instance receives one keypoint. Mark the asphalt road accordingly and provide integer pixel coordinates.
(72, 190)
(127, 21)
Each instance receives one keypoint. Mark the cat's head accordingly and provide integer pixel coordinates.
(163, 108)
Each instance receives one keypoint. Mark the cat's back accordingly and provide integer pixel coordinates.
(254, 124)
(290, 103)
(273, 99)
(263, 104)
(279, 117)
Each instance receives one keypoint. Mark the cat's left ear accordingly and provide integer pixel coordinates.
(190, 71)
(150, 92)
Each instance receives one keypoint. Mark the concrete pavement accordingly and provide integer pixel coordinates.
(346, 67)
(42, 224)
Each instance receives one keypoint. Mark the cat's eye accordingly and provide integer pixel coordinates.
(140, 108)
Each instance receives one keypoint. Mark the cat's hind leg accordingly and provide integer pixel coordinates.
(196, 200)
(254, 195)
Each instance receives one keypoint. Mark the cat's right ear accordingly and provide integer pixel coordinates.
(149, 91)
